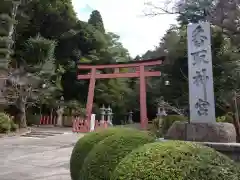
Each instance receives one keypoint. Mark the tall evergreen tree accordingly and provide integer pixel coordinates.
(8, 11)
(96, 20)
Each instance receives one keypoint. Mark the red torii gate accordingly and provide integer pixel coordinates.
(141, 73)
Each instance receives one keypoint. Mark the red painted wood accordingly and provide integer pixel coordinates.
(140, 66)
(100, 124)
(47, 120)
(80, 125)
(90, 94)
(146, 63)
(116, 70)
(143, 103)
(120, 75)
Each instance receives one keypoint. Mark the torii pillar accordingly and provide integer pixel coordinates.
(140, 73)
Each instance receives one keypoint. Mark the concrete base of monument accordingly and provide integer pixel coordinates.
(202, 132)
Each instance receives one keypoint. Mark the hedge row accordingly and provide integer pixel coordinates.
(105, 156)
(85, 145)
(175, 160)
(128, 154)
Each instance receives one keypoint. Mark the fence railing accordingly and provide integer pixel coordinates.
(48, 120)
(79, 124)
(82, 126)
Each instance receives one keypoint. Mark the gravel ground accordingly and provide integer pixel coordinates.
(41, 155)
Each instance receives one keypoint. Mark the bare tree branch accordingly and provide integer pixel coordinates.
(222, 13)
(156, 10)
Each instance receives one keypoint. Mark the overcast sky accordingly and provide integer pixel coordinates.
(126, 18)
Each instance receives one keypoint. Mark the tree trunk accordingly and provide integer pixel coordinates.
(21, 105)
(237, 127)
(236, 117)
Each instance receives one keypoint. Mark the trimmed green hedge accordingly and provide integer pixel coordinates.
(175, 160)
(106, 155)
(84, 146)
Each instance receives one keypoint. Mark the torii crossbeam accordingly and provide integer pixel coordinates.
(139, 73)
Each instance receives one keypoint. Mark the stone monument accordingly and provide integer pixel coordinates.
(202, 125)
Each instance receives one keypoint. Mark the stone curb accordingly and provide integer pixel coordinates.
(218, 146)
(224, 147)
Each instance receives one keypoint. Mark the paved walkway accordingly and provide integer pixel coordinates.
(42, 155)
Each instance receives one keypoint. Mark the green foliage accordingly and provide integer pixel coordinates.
(38, 50)
(87, 42)
(32, 119)
(36, 68)
(85, 145)
(169, 120)
(6, 7)
(6, 123)
(78, 41)
(104, 157)
(228, 118)
(14, 126)
(174, 47)
(49, 18)
(194, 11)
(161, 126)
(4, 41)
(176, 161)
(219, 13)
(96, 20)
(221, 119)
(74, 108)
(7, 22)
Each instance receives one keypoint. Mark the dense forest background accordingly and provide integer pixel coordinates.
(63, 41)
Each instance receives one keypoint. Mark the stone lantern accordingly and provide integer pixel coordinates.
(109, 115)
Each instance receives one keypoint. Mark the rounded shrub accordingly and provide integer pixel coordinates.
(161, 125)
(5, 123)
(106, 155)
(169, 120)
(14, 126)
(175, 160)
(84, 146)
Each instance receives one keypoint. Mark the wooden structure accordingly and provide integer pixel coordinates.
(80, 125)
(140, 72)
(48, 120)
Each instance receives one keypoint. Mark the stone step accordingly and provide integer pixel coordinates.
(46, 132)
(34, 136)
(41, 134)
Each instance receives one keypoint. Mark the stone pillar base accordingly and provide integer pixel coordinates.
(202, 132)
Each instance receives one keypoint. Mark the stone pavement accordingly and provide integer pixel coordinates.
(37, 157)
